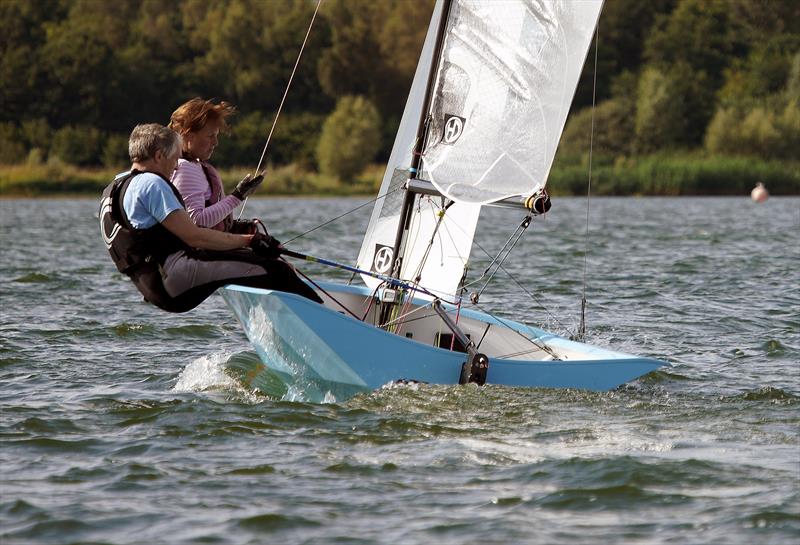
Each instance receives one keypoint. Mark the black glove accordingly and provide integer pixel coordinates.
(247, 186)
(266, 246)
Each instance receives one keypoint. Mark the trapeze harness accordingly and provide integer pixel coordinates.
(140, 254)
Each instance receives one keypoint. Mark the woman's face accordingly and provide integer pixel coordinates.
(200, 144)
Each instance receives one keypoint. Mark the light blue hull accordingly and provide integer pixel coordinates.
(327, 353)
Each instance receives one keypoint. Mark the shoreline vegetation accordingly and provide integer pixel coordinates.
(684, 97)
(652, 175)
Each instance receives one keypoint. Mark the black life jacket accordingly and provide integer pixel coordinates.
(139, 253)
(132, 248)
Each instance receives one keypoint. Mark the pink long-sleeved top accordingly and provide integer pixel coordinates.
(202, 192)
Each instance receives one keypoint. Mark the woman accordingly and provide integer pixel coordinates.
(174, 263)
(199, 123)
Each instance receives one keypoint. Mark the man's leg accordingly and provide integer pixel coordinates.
(181, 273)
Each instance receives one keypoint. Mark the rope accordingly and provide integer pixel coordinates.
(283, 99)
(404, 317)
(398, 310)
(538, 302)
(458, 314)
(581, 334)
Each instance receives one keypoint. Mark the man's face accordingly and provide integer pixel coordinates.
(166, 164)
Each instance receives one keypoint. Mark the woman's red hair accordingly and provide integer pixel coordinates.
(193, 115)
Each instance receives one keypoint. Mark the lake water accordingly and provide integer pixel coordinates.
(121, 424)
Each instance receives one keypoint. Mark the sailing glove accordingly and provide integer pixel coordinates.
(247, 186)
(266, 246)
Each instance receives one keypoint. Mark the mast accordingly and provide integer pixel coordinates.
(409, 196)
(378, 249)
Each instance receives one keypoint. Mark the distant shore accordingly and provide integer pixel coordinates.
(657, 175)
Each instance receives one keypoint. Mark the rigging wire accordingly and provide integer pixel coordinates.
(581, 334)
(530, 294)
(440, 215)
(340, 216)
(331, 297)
(542, 347)
(497, 260)
(283, 99)
(512, 241)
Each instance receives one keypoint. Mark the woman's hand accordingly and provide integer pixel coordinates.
(247, 186)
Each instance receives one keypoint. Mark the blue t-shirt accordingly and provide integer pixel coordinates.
(148, 200)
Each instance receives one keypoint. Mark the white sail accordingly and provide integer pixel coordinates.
(442, 270)
(506, 79)
(503, 85)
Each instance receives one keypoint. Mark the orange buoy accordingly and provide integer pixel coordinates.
(759, 193)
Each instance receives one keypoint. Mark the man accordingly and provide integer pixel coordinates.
(174, 263)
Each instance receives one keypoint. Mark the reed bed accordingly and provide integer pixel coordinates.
(663, 175)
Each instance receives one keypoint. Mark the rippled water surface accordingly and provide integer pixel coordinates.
(122, 424)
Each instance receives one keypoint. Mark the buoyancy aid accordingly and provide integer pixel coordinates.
(139, 253)
(215, 187)
(131, 248)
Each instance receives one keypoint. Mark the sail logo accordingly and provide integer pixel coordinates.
(382, 262)
(453, 127)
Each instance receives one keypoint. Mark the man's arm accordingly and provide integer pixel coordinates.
(180, 224)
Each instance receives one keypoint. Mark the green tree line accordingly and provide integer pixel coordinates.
(721, 76)
(703, 78)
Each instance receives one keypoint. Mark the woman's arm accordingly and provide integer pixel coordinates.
(180, 224)
(191, 181)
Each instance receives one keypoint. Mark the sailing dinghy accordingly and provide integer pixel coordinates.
(483, 119)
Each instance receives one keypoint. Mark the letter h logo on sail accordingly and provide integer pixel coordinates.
(382, 260)
(453, 127)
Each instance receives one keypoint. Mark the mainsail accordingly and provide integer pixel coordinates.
(501, 82)
(507, 76)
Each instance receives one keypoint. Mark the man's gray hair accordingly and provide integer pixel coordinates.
(146, 139)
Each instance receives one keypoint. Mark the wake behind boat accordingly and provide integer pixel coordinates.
(484, 116)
